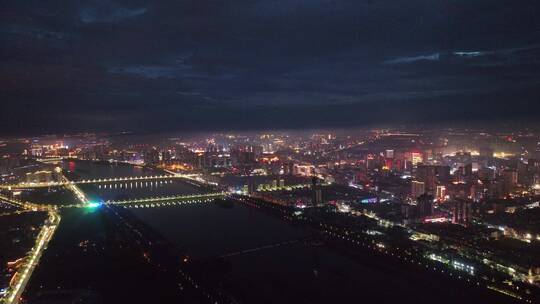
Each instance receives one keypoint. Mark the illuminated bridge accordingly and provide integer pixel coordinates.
(148, 202)
(100, 181)
(168, 200)
(157, 204)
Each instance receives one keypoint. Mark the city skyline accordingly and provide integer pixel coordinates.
(264, 151)
(289, 216)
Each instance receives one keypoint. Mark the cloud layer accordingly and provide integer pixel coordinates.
(184, 65)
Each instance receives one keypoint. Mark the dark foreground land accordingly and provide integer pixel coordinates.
(99, 256)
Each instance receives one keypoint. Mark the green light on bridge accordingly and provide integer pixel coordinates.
(93, 205)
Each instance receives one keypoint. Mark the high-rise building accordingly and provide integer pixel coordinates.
(432, 176)
(372, 161)
(443, 174)
(523, 173)
(166, 155)
(464, 173)
(305, 170)
(416, 158)
(534, 165)
(510, 178)
(467, 170)
(249, 188)
(36, 150)
(288, 168)
(151, 157)
(440, 192)
(426, 174)
(245, 155)
(425, 205)
(417, 188)
(317, 191)
(462, 211)
(486, 174)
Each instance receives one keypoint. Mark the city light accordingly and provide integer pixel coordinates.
(93, 204)
(438, 214)
(270, 151)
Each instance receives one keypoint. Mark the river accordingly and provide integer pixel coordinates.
(258, 257)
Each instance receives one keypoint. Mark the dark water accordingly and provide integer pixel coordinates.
(279, 266)
(79, 170)
(295, 272)
(209, 230)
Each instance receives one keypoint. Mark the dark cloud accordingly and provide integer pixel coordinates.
(217, 64)
(107, 11)
(502, 57)
(400, 60)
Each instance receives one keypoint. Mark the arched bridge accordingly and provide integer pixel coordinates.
(98, 181)
(148, 202)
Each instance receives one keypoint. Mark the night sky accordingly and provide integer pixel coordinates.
(251, 64)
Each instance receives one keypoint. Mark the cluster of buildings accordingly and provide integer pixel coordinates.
(457, 188)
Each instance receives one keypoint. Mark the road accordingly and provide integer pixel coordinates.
(23, 275)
